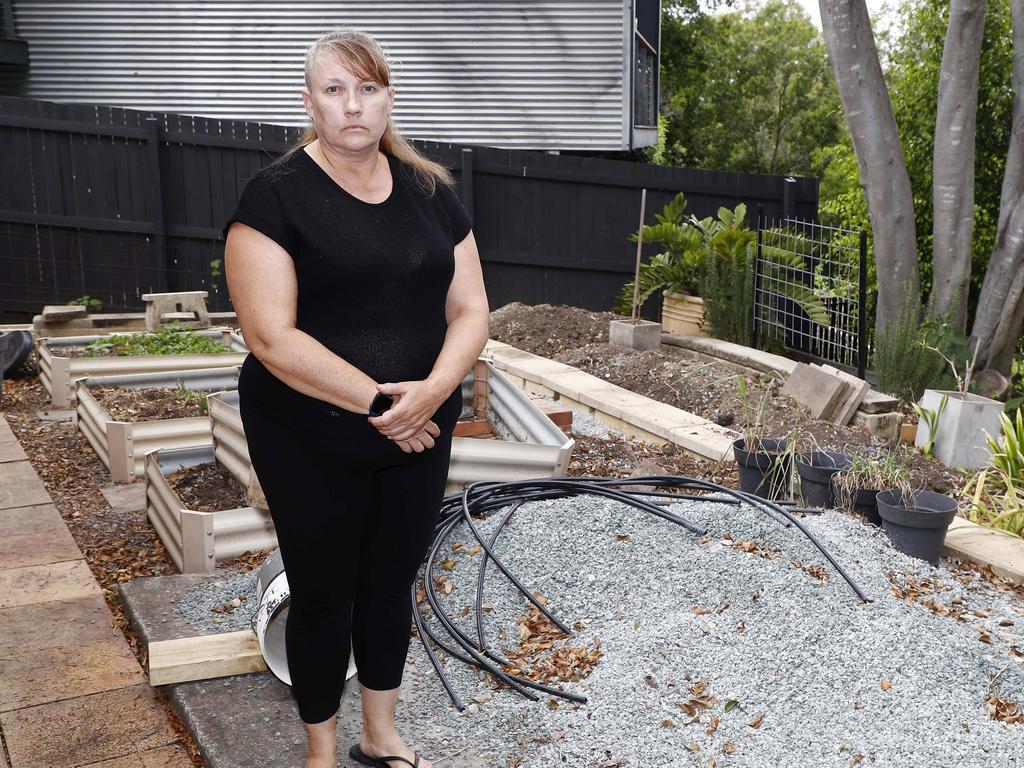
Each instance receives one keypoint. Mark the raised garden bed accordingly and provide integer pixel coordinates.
(530, 444)
(198, 540)
(122, 440)
(59, 367)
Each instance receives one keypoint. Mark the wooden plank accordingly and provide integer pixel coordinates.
(204, 657)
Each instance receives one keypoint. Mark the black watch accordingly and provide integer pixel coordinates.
(380, 404)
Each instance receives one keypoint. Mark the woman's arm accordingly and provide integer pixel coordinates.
(264, 290)
(467, 313)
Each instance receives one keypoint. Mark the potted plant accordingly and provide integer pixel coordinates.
(816, 470)
(958, 421)
(856, 487)
(676, 271)
(916, 520)
(765, 464)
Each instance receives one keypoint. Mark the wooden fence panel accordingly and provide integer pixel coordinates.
(115, 203)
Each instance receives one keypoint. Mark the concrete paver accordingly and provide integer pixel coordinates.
(34, 519)
(53, 674)
(126, 498)
(42, 583)
(86, 729)
(38, 548)
(6, 433)
(20, 486)
(38, 626)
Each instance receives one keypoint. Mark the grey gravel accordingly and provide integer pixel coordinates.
(196, 606)
(811, 659)
(585, 424)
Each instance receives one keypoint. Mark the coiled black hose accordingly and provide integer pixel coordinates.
(479, 499)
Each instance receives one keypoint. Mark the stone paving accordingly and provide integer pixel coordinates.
(71, 691)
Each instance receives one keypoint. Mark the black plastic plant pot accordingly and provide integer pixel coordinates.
(816, 471)
(761, 471)
(865, 505)
(917, 529)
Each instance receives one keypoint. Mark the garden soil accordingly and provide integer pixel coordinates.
(684, 379)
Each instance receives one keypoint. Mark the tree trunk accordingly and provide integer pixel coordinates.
(953, 159)
(883, 169)
(997, 321)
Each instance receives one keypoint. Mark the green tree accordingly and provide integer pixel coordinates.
(747, 90)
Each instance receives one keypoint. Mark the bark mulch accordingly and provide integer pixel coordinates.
(125, 404)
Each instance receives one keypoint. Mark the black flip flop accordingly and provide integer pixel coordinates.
(357, 754)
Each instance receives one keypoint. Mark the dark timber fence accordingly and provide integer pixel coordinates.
(112, 203)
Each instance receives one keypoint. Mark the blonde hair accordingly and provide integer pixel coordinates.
(363, 54)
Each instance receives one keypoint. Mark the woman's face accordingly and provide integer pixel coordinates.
(348, 112)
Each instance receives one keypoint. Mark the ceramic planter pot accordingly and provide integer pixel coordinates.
(917, 526)
(761, 471)
(682, 314)
(960, 436)
(816, 470)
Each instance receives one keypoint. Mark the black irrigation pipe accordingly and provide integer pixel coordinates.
(481, 498)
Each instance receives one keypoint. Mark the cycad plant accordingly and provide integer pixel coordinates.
(727, 281)
(678, 267)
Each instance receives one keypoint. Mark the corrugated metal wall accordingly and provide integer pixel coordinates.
(547, 74)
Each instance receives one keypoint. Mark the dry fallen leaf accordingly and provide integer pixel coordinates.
(886, 685)
(693, 747)
(667, 724)
(728, 747)
(756, 723)
(713, 727)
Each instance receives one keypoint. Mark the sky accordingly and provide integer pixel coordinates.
(811, 6)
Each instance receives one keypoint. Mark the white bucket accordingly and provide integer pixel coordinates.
(272, 615)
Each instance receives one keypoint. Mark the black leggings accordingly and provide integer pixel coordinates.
(354, 518)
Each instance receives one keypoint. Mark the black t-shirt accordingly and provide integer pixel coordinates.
(372, 277)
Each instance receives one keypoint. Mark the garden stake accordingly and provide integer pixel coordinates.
(635, 314)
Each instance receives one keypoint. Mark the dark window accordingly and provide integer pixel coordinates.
(645, 102)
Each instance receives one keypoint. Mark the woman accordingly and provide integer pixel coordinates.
(356, 279)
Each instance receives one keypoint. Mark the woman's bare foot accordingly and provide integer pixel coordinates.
(389, 744)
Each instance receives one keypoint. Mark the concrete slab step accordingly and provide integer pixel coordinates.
(164, 757)
(1001, 551)
(12, 451)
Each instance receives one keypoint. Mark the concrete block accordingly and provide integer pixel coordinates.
(38, 548)
(60, 313)
(28, 628)
(20, 486)
(614, 400)
(963, 425)
(858, 388)
(884, 426)
(1001, 551)
(644, 335)
(44, 583)
(39, 677)
(878, 402)
(87, 729)
(572, 383)
(707, 440)
(19, 520)
(820, 392)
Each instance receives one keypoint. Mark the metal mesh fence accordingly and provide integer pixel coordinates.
(810, 283)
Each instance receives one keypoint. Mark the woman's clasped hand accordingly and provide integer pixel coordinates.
(407, 422)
